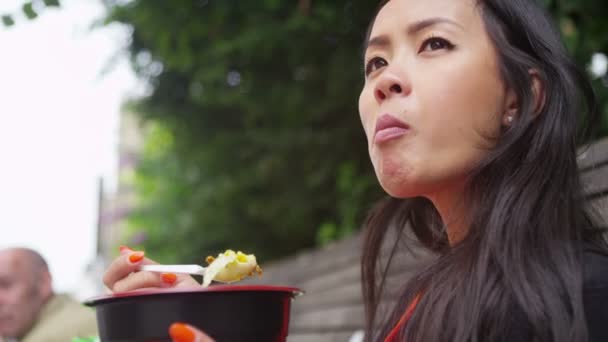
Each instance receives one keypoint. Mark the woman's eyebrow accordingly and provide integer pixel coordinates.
(422, 24)
(412, 29)
(378, 41)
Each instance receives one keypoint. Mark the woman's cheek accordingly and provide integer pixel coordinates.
(365, 112)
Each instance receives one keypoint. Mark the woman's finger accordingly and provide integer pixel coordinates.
(138, 280)
(181, 332)
(125, 250)
(123, 266)
(145, 279)
(124, 274)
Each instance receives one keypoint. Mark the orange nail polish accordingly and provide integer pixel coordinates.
(123, 248)
(135, 257)
(168, 278)
(181, 333)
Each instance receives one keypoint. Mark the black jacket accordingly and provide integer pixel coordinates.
(595, 300)
(595, 295)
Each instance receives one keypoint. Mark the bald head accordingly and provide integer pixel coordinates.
(25, 286)
(28, 259)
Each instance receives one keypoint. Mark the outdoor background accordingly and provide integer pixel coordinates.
(210, 124)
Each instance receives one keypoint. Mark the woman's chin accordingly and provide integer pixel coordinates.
(400, 189)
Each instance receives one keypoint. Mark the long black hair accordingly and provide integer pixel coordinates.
(520, 264)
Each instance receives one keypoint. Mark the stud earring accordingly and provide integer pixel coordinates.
(510, 119)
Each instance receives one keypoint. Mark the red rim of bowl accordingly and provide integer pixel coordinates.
(295, 292)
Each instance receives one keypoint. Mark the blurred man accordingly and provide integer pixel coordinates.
(29, 310)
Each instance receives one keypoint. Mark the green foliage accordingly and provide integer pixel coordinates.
(30, 9)
(8, 20)
(86, 339)
(259, 101)
(584, 32)
(255, 141)
(51, 3)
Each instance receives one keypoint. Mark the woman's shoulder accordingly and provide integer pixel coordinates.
(595, 292)
(595, 268)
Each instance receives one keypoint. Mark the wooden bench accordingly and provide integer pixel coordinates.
(332, 308)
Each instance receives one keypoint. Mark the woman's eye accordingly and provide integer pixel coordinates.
(375, 64)
(436, 43)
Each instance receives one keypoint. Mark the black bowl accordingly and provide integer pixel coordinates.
(228, 313)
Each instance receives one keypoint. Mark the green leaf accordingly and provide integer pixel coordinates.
(8, 20)
(28, 10)
(51, 3)
(327, 233)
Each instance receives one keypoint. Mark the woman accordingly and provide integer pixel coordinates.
(470, 109)
(482, 105)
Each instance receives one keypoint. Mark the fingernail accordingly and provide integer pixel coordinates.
(123, 248)
(168, 278)
(136, 257)
(180, 332)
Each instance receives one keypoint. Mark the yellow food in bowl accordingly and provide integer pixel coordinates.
(230, 267)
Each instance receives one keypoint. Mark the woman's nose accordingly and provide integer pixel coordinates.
(391, 85)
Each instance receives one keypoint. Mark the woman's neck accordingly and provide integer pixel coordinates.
(450, 203)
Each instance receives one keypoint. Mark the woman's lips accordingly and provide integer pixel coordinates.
(389, 128)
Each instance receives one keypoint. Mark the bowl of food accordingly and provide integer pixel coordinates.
(228, 313)
(225, 312)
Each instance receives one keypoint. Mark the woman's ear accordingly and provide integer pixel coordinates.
(512, 108)
(538, 90)
(512, 102)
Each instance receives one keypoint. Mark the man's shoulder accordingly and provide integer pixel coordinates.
(62, 319)
(66, 307)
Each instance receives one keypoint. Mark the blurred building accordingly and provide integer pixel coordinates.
(114, 203)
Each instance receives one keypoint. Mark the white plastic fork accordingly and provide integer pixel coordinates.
(187, 269)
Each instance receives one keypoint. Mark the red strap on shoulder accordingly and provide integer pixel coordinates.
(403, 320)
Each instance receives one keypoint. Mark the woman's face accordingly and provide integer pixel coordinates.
(433, 97)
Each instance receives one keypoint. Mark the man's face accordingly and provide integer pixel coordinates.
(20, 296)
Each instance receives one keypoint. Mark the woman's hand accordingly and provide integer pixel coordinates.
(124, 274)
(181, 332)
